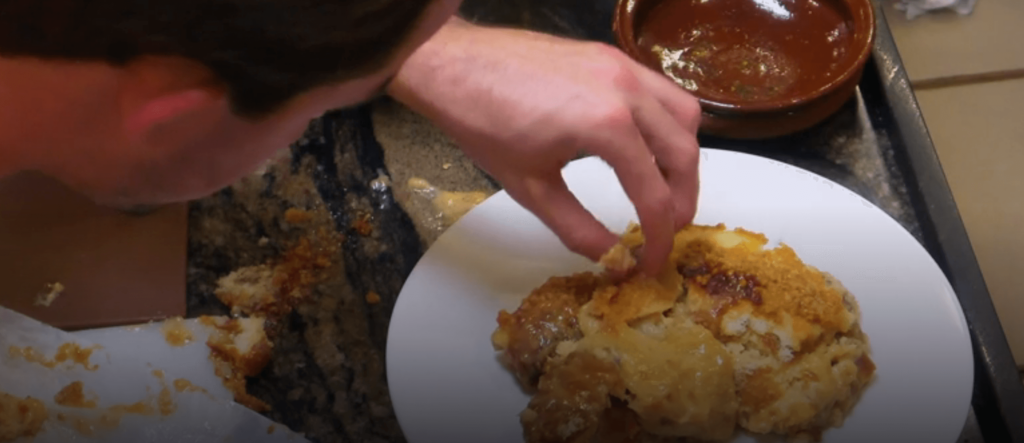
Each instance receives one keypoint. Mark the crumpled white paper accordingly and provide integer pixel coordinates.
(123, 375)
(917, 8)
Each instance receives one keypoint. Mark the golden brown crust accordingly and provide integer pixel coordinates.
(730, 335)
(571, 399)
(546, 317)
(775, 281)
(617, 305)
(678, 378)
(618, 259)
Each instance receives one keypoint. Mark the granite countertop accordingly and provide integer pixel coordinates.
(344, 189)
(338, 212)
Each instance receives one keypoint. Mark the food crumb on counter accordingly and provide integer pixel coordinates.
(263, 241)
(272, 290)
(446, 166)
(49, 294)
(372, 298)
(248, 289)
(239, 348)
(420, 185)
(297, 216)
(362, 224)
(260, 297)
(176, 332)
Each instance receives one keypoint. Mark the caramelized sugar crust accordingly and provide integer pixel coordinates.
(730, 336)
(547, 317)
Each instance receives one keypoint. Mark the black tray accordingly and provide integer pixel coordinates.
(879, 147)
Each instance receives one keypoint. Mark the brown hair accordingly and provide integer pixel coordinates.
(265, 51)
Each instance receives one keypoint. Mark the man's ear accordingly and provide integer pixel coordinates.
(164, 108)
(157, 93)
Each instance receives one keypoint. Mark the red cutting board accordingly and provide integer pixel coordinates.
(116, 268)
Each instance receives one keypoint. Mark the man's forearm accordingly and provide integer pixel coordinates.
(435, 64)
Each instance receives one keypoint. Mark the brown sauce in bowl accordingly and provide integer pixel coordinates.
(735, 52)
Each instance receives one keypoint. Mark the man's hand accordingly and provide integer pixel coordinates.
(523, 104)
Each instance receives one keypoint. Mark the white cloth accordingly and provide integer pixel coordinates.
(917, 8)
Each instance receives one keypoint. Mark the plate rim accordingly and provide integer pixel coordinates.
(705, 154)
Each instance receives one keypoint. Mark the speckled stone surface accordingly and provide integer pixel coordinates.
(415, 149)
(351, 172)
(326, 378)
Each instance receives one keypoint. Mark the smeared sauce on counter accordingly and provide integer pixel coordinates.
(85, 428)
(454, 205)
(164, 400)
(743, 51)
(109, 420)
(68, 352)
(20, 417)
(112, 418)
(73, 396)
(449, 206)
(183, 385)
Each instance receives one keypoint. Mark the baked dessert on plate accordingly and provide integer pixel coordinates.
(729, 336)
(828, 316)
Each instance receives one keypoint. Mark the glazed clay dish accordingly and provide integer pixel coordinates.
(760, 68)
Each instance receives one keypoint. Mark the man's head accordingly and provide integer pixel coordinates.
(155, 101)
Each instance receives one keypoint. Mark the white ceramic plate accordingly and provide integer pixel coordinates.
(447, 385)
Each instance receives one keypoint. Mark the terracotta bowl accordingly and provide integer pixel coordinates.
(760, 68)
